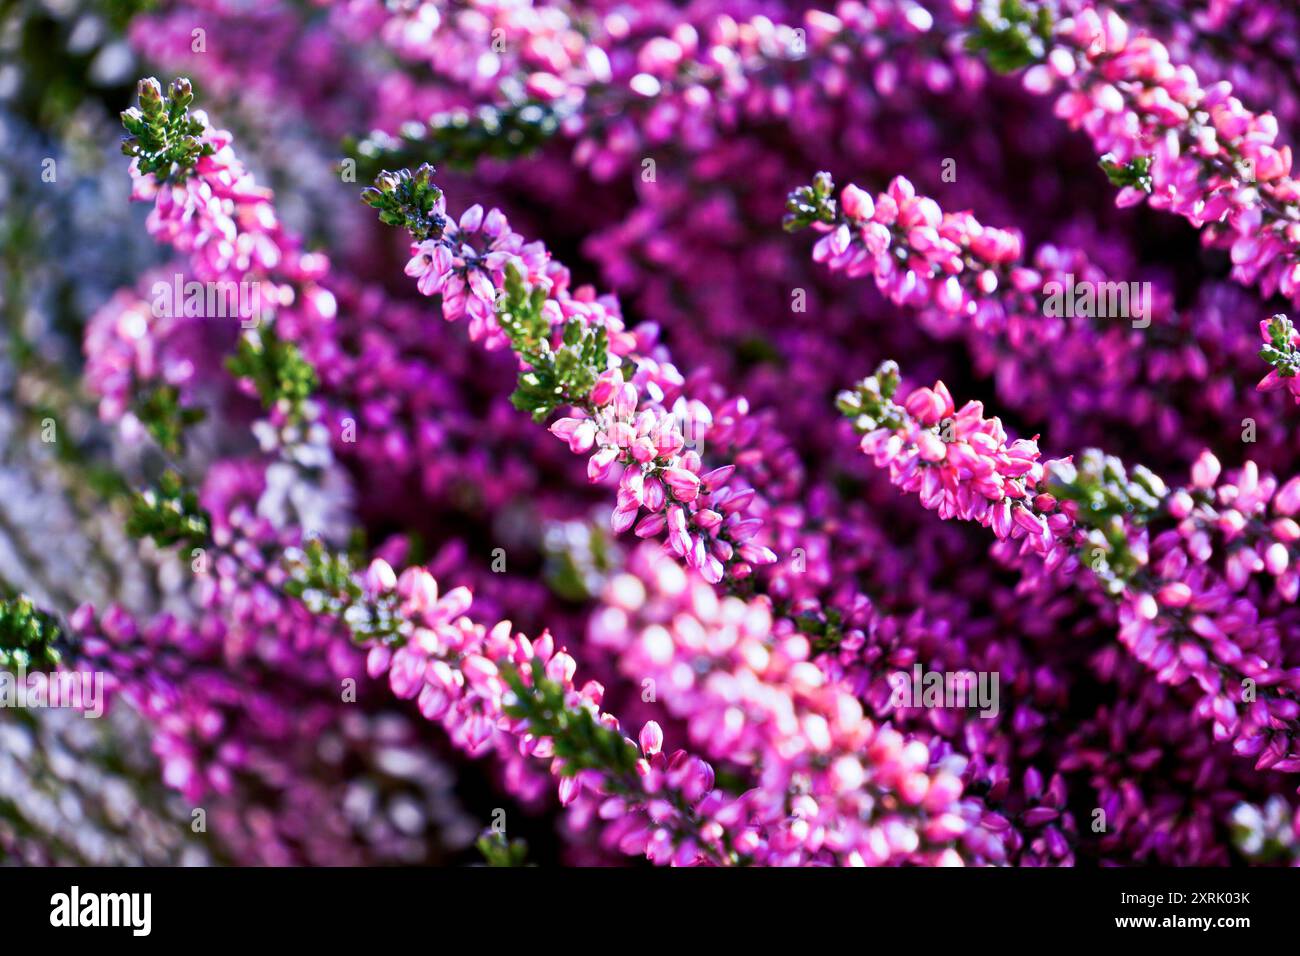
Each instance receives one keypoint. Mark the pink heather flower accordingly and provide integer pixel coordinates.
(455, 671)
(999, 485)
(652, 739)
(810, 738)
(1205, 472)
(1212, 161)
(380, 577)
(980, 476)
(628, 421)
(430, 265)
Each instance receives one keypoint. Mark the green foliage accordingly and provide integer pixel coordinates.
(460, 138)
(1104, 488)
(120, 12)
(327, 583)
(169, 514)
(557, 375)
(498, 851)
(581, 741)
(408, 200)
(823, 631)
(1111, 500)
(579, 556)
(160, 411)
(757, 350)
(1282, 353)
(27, 635)
(870, 403)
(276, 368)
(520, 315)
(1011, 34)
(1136, 172)
(812, 203)
(163, 135)
(564, 375)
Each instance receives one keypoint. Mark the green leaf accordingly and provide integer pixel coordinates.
(409, 200)
(461, 138)
(27, 635)
(812, 203)
(497, 851)
(276, 368)
(1010, 35)
(169, 514)
(162, 136)
(1136, 172)
(1281, 351)
(871, 402)
(160, 411)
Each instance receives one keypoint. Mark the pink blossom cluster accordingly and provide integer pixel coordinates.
(627, 82)
(227, 227)
(677, 481)
(263, 753)
(666, 805)
(1211, 160)
(127, 350)
(1017, 313)
(630, 422)
(1248, 43)
(968, 469)
(749, 691)
(1190, 612)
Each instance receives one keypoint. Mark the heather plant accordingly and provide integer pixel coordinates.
(354, 602)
